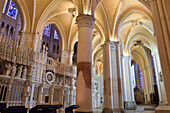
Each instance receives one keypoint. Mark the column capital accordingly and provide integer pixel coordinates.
(112, 43)
(154, 53)
(126, 58)
(85, 21)
(66, 53)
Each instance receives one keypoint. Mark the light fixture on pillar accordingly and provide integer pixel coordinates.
(116, 39)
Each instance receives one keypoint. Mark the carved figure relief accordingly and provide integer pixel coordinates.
(8, 69)
(13, 72)
(61, 81)
(19, 72)
(24, 73)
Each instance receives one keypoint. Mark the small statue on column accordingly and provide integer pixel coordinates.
(13, 72)
(19, 72)
(161, 77)
(61, 81)
(24, 73)
(8, 69)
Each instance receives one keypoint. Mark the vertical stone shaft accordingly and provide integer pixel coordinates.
(161, 19)
(107, 72)
(84, 63)
(129, 100)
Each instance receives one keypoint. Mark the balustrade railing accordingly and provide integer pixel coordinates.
(12, 50)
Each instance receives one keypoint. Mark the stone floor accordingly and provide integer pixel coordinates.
(140, 109)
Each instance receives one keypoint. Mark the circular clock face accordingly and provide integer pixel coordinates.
(50, 77)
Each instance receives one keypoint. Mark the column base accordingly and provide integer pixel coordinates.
(162, 109)
(119, 110)
(130, 105)
(107, 110)
(161, 103)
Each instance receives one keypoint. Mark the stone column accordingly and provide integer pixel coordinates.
(17, 28)
(9, 86)
(137, 76)
(160, 84)
(107, 76)
(71, 91)
(84, 64)
(36, 41)
(129, 100)
(40, 89)
(27, 87)
(62, 91)
(150, 73)
(61, 99)
(66, 57)
(51, 94)
(116, 76)
(31, 96)
(8, 32)
(145, 85)
(32, 40)
(161, 21)
(149, 80)
(70, 61)
(3, 34)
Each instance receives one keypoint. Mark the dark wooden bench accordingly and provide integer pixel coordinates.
(15, 109)
(2, 106)
(71, 108)
(45, 109)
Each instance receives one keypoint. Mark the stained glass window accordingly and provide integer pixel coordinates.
(56, 35)
(12, 10)
(153, 67)
(133, 75)
(140, 78)
(5, 6)
(47, 30)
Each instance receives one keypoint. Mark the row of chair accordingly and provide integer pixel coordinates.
(36, 109)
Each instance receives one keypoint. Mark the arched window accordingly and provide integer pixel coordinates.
(55, 35)
(53, 48)
(12, 10)
(140, 78)
(153, 67)
(47, 30)
(57, 49)
(6, 1)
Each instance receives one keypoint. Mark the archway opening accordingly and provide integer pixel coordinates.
(10, 23)
(98, 85)
(137, 83)
(51, 40)
(74, 59)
